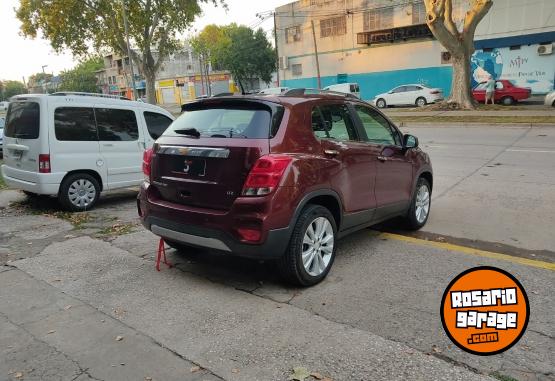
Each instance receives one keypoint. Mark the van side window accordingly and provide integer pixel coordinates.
(75, 124)
(116, 125)
(156, 123)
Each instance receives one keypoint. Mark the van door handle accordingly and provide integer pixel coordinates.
(331, 152)
(142, 145)
(108, 145)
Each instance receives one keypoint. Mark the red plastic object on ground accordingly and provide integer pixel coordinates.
(162, 251)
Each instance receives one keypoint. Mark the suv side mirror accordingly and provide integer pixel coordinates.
(410, 141)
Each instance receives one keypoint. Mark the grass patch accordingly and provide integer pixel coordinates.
(43, 206)
(502, 377)
(2, 182)
(473, 119)
(116, 230)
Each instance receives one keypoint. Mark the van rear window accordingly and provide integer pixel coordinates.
(23, 120)
(223, 121)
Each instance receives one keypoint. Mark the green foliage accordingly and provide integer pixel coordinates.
(39, 78)
(78, 25)
(12, 88)
(241, 50)
(82, 77)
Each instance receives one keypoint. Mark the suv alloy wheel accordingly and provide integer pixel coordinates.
(312, 247)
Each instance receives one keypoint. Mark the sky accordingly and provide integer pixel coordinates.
(20, 57)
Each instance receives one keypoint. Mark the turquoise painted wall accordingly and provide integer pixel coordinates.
(372, 84)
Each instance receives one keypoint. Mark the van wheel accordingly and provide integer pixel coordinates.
(419, 211)
(421, 102)
(380, 103)
(79, 192)
(311, 251)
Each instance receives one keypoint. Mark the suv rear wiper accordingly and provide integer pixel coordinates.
(189, 131)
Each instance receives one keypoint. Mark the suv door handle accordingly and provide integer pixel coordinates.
(331, 152)
(383, 158)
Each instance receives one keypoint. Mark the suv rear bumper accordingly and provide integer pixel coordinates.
(273, 247)
(210, 229)
(39, 183)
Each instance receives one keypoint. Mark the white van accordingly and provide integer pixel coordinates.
(273, 91)
(76, 145)
(347, 88)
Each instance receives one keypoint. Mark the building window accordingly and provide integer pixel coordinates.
(335, 26)
(297, 69)
(378, 19)
(418, 13)
(293, 34)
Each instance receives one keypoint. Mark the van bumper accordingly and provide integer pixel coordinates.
(39, 183)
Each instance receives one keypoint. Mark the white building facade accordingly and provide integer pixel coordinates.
(381, 44)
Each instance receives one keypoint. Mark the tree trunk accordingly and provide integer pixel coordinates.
(461, 92)
(150, 88)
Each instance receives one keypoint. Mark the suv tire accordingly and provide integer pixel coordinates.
(319, 252)
(420, 205)
(79, 192)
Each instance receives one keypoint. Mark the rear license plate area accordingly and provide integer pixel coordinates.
(189, 167)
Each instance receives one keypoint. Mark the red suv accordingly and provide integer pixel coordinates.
(281, 178)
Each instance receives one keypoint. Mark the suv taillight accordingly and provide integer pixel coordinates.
(147, 160)
(265, 175)
(44, 163)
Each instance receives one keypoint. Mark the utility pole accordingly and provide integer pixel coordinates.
(129, 50)
(316, 55)
(277, 51)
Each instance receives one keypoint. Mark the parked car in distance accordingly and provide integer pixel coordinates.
(74, 146)
(550, 99)
(4, 105)
(273, 91)
(2, 123)
(281, 178)
(406, 95)
(505, 92)
(346, 88)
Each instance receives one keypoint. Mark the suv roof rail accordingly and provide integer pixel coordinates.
(82, 94)
(298, 92)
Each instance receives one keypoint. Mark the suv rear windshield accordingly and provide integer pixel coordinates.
(222, 120)
(23, 120)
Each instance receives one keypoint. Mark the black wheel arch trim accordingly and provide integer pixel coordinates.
(312, 195)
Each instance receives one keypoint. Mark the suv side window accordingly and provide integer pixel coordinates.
(333, 122)
(75, 124)
(377, 128)
(156, 123)
(116, 125)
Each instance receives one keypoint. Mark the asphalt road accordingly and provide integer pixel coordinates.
(71, 289)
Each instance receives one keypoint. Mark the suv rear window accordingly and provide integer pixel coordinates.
(246, 121)
(23, 120)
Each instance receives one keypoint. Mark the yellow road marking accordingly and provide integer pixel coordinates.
(471, 251)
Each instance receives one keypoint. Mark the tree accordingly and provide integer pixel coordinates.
(12, 88)
(241, 50)
(459, 43)
(78, 25)
(40, 78)
(82, 77)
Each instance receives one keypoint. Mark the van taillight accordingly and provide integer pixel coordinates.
(147, 161)
(265, 175)
(44, 163)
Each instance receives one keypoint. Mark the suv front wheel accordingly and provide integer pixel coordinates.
(312, 247)
(420, 206)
